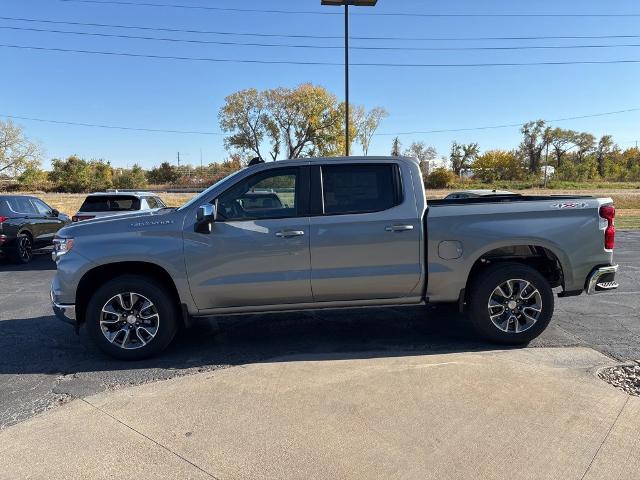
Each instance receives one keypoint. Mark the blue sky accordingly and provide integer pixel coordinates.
(186, 95)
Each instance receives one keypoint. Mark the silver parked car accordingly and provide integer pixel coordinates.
(108, 204)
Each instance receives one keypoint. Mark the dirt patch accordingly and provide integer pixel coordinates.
(624, 377)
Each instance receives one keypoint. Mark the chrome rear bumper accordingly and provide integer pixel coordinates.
(602, 279)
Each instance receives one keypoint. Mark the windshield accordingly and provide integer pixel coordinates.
(202, 196)
(110, 203)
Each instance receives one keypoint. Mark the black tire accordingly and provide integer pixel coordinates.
(22, 252)
(163, 304)
(482, 290)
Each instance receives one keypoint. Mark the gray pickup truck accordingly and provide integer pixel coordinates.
(342, 232)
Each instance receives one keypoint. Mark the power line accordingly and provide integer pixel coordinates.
(114, 127)
(318, 63)
(510, 125)
(316, 37)
(190, 132)
(321, 47)
(384, 14)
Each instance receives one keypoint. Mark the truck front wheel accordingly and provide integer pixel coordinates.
(131, 317)
(510, 303)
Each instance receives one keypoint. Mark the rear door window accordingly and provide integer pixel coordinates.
(350, 189)
(110, 203)
(21, 206)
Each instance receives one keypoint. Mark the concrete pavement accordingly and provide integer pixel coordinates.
(522, 413)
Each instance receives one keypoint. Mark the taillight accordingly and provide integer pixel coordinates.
(80, 218)
(608, 212)
(3, 219)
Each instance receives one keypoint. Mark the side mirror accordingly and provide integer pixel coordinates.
(55, 213)
(205, 216)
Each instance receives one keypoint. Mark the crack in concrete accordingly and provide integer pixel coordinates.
(113, 417)
(605, 438)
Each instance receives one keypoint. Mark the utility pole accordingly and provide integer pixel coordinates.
(178, 159)
(546, 165)
(346, 77)
(346, 3)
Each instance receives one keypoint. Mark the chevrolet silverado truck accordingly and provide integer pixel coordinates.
(345, 232)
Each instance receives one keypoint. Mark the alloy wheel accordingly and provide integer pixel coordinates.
(129, 320)
(515, 306)
(25, 249)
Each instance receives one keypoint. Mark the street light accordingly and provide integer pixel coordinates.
(346, 3)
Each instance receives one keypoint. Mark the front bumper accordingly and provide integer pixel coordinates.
(66, 313)
(601, 279)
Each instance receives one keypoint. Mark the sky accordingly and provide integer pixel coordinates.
(186, 95)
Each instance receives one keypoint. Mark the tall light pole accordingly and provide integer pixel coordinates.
(346, 3)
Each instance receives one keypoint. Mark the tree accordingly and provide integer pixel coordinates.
(462, 156)
(561, 140)
(368, 123)
(164, 174)
(245, 115)
(584, 143)
(131, 179)
(494, 165)
(536, 138)
(396, 146)
(76, 175)
(423, 153)
(33, 178)
(604, 148)
(440, 178)
(17, 152)
(301, 121)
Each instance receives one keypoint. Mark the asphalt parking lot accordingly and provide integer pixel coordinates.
(43, 363)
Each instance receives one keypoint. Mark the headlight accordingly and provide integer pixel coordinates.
(61, 245)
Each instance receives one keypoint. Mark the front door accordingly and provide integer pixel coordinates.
(258, 250)
(46, 224)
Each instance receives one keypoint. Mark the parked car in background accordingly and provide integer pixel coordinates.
(27, 223)
(480, 193)
(107, 204)
(350, 232)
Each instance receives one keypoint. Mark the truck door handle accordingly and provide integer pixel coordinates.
(289, 233)
(398, 228)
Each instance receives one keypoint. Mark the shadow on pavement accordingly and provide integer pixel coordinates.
(46, 345)
(41, 261)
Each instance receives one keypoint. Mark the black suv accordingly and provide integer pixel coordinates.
(27, 223)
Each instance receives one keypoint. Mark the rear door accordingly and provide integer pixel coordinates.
(365, 234)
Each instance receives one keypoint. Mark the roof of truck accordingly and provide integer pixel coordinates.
(371, 159)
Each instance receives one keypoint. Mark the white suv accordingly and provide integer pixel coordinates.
(107, 204)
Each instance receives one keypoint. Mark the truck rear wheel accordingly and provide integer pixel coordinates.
(510, 303)
(131, 317)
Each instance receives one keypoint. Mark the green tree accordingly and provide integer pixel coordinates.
(536, 138)
(494, 165)
(72, 175)
(440, 177)
(605, 147)
(131, 179)
(164, 174)
(17, 152)
(396, 147)
(462, 156)
(33, 178)
(561, 141)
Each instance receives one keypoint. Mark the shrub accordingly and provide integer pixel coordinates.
(440, 178)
